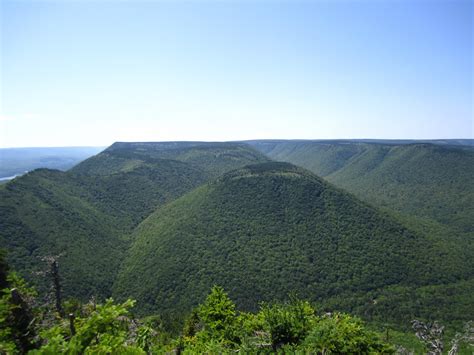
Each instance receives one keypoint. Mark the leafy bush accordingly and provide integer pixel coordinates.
(7, 343)
(104, 331)
(288, 323)
(217, 314)
(343, 334)
(16, 315)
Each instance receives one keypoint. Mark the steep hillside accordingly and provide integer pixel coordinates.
(424, 180)
(270, 229)
(135, 178)
(322, 158)
(47, 213)
(430, 181)
(133, 193)
(86, 214)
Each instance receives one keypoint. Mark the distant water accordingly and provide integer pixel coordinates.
(6, 178)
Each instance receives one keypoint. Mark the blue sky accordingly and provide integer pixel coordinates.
(95, 72)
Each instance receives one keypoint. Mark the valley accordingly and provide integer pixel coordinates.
(382, 231)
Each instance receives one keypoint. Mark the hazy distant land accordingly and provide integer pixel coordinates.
(17, 161)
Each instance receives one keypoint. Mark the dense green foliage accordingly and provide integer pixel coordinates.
(217, 314)
(426, 180)
(212, 159)
(87, 214)
(267, 230)
(262, 232)
(218, 327)
(16, 316)
(111, 328)
(103, 330)
(278, 327)
(428, 187)
(45, 213)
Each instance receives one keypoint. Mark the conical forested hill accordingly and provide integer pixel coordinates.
(265, 231)
(427, 186)
(87, 214)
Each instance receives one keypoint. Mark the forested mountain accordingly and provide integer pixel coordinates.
(133, 179)
(431, 181)
(197, 213)
(47, 213)
(270, 229)
(212, 159)
(87, 214)
(426, 186)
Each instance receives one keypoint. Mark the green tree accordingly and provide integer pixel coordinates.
(218, 314)
(288, 323)
(343, 334)
(192, 324)
(16, 315)
(104, 331)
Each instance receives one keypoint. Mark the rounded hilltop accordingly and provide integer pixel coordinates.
(262, 232)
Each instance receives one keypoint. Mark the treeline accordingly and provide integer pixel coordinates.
(214, 327)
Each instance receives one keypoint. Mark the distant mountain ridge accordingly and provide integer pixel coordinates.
(211, 158)
(427, 180)
(455, 142)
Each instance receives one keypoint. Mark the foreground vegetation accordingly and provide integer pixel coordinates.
(214, 327)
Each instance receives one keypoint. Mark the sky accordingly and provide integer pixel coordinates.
(79, 73)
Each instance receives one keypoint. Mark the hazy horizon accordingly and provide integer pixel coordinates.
(375, 140)
(90, 73)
